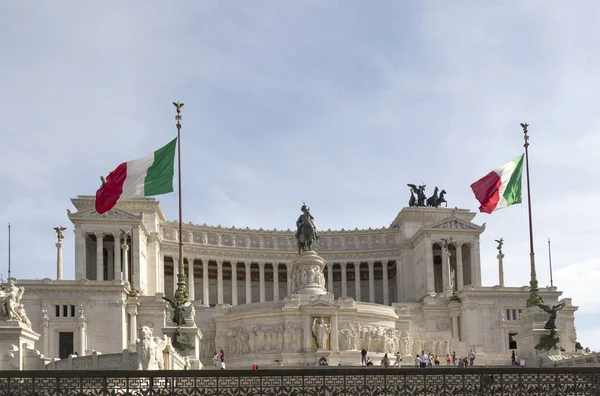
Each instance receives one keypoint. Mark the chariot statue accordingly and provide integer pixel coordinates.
(306, 232)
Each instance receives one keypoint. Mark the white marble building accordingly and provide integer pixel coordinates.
(389, 289)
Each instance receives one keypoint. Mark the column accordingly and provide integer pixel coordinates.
(219, 281)
(399, 296)
(160, 278)
(99, 256)
(386, 290)
(191, 280)
(125, 248)
(261, 275)
(234, 298)
(357, 280)
(475, 259)
(59, 260)
(45, 326)
(454, 326)
(82, 336)
(344, 286)
(459, 266)
(371, 281)
(500, 269)
(205, 282)
(429, 273)
(335, 345)
(248, 282)
(132, 304)
(330, 277)
(80, 254)
(175, 273)
(275, 281)
(445, 280)
(110, 269)
(288, 268)
(117, 260)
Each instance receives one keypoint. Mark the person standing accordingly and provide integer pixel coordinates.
(471, 357)
(363, 357)
(398, 359)
(513, 358)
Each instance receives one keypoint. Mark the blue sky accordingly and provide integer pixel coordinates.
(336, 103)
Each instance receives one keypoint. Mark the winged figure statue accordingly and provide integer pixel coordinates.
(420, 193)
(59, 234)
(178, 310)
(551, 323)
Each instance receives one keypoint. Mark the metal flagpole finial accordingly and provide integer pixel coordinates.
(178, 106)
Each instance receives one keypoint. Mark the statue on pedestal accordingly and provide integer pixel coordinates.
(321, 330)
(178, 310)
(10, 299)
(500, 243)
(59, 234)
(551, 323)
(306, 232)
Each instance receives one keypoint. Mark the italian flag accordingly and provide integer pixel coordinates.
(501, 187)
(143, 177)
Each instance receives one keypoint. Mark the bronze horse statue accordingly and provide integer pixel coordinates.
(306, 233)
(432, 201)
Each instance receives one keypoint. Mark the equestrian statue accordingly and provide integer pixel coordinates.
(306, 232)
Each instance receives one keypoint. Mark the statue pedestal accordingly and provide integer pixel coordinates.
(188, 333)
(17, 343)
(531, 331)
(307, 274)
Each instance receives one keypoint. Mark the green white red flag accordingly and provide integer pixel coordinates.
(501, 187)
(143, 177)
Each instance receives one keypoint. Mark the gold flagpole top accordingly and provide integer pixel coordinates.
(178, 106)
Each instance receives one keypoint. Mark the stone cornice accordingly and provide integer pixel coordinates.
(505, 293)
(135, 205)
(48, 285)
(429, 215)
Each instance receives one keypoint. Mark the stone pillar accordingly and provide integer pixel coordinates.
(288, 268)
(125, 248)
(248, 282)
(132, 310)
(445, 265)
(371, 281)
(45, 331)
(219, 281)
(261, 275)
(357, 280)
(455, 326)
(500, 269)
(205, 282)
(475, 264)
(175, 273)
(110, 269)
(82, 335)
(335, 345)
(59, 261)
(191, 288)
(429, 273)
(344, 286)
(330, 277)
(399, 296)
(80, 253)
(160, 278)
(234, 297)
(459, 267)
(117, 259)
(275, 281)
(386, 290)
(99, 256)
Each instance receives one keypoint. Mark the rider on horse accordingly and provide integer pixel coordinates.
(305, 220)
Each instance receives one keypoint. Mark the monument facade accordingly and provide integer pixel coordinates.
(284, 296)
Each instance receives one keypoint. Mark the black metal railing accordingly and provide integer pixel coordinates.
(570, 381)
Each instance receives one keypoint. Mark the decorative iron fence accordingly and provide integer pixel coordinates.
(310, 381)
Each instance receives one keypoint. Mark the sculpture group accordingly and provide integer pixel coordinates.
(418, 197)
(11, 308)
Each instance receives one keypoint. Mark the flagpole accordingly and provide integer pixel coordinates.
(550, 261)
(534, 297)
(8, 250)
(181, 294)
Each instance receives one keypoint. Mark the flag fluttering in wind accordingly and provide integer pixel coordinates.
(501, 187)
(143, 177)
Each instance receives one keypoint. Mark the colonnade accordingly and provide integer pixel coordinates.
(456, 272)
(192, 263)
